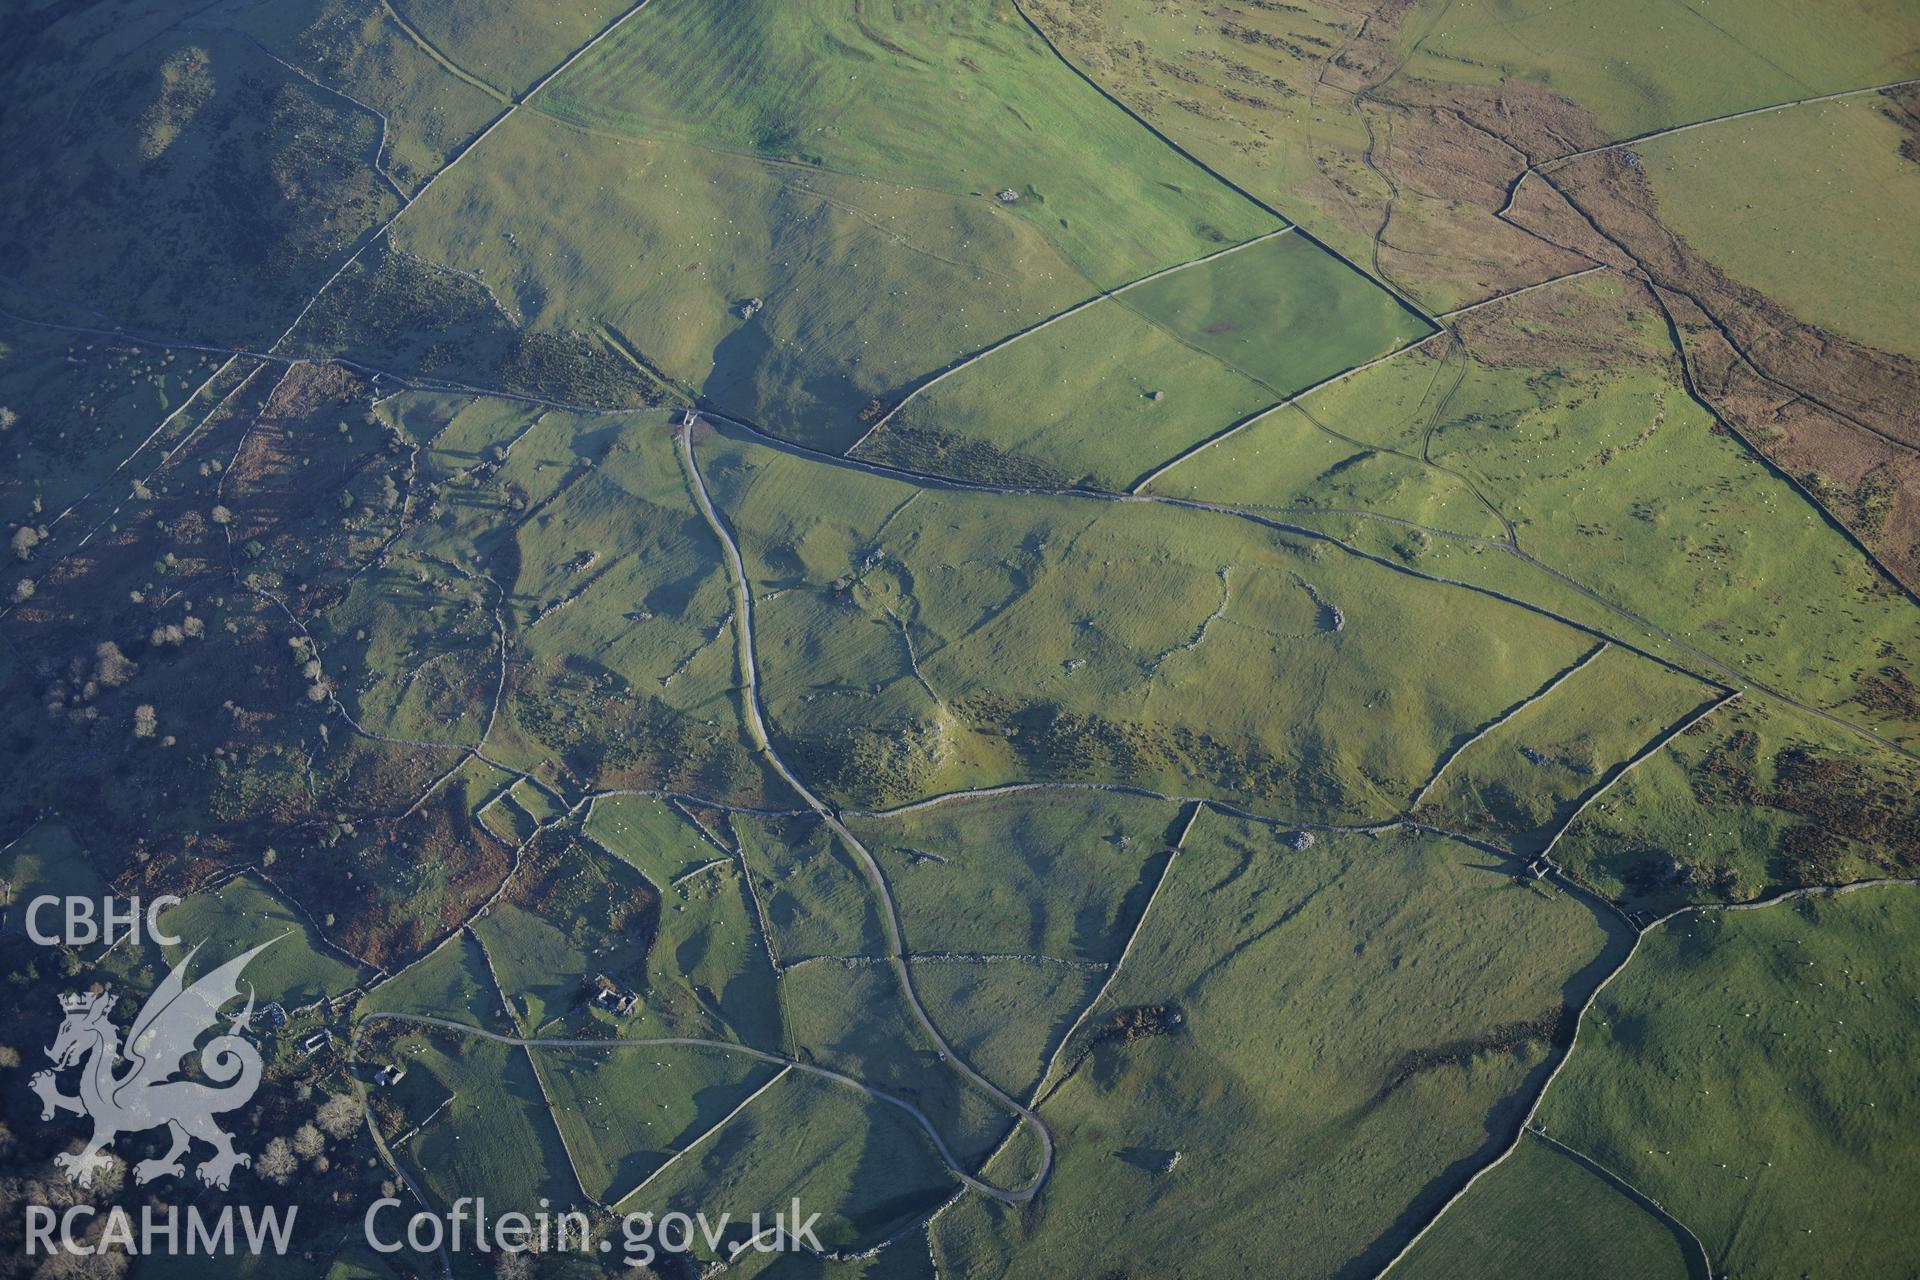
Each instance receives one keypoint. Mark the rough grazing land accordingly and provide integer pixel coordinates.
(1098, 637)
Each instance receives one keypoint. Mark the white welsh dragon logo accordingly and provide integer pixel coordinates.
(143, 1096)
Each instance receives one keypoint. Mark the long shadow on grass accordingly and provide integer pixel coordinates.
(746, 363)
(1506, 1116)
(889, 1214)
(1096, 935)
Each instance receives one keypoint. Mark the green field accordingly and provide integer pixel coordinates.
(1059, 874)
(867, 94)
(1185, 651)
(1111, 392)
(297, 969)
(1762, 797)
(626, 1110)
(659, 842)
(868, 1164)
(1284, 312)
(1238, 91)
(757, 592)
(1289, 463)
(1071, 404)
(1667, 62)
(1356, 1022)
(1526, 776)
(1805, 205)
(497, 1137)
(451, 982)
(709, 972)
(1005, 1017)
(1747, 1071)
(1543, 1212)
(661, 258)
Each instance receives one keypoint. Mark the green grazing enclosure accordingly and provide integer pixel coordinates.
(1059, 874)
(628, 1109)
(1107, 394)
(1359, 1022)
(1666, 62)
(1284, 311)
(496, 1137)
(1005, 1016)
(1812, 206)
(451, 982)
(866, 1163)
(1527, 773)
(1097, 399)
(1751, 1071)
(1192, 652)
(1542, 1212)
(957, 96)
(297, 969)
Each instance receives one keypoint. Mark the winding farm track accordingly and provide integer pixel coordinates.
(876, 879)
(898, 954)
(927, 480)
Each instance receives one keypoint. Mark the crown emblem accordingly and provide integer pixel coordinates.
(81, 1002)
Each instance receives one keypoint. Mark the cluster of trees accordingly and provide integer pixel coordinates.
(337, 1118)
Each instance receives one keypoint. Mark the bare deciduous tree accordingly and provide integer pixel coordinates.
(308, 1141)
(111, 667)
(339, 1115)
(277, 1164)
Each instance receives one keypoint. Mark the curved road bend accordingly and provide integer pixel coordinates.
(743, 596)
